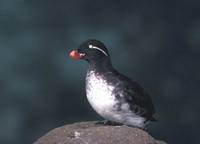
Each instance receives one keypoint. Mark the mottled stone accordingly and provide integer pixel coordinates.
(91, 133)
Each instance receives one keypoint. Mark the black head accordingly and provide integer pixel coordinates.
(91, 50)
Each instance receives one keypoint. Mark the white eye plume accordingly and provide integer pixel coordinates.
(90, 46)
(97, 48)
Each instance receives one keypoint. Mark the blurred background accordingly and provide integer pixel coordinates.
(156, 43)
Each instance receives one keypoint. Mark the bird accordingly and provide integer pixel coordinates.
(115, 97)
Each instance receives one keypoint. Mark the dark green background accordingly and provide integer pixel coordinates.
(156, 43)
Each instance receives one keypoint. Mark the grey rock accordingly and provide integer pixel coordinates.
(91, 133)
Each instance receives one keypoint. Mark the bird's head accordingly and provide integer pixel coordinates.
(90, 50)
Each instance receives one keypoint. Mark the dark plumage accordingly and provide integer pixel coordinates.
(140, 102)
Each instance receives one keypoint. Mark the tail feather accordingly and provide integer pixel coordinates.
(153, 119)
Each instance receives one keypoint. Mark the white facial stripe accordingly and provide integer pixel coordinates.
(94, 47)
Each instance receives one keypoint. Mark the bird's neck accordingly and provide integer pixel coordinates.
(101, 66)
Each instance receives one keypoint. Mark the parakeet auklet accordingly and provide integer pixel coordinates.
(112, 95)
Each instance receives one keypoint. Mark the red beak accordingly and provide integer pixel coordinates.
(75, 55)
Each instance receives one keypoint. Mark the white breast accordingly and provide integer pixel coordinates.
(99, 94)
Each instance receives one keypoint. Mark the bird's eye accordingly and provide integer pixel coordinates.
(90, 46)
(79, 50)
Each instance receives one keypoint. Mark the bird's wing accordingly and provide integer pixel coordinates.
(131, 92)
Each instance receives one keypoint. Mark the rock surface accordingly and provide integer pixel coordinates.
(91, 133)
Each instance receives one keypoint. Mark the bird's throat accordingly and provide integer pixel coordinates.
(101, 66)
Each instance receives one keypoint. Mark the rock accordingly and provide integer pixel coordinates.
(91, 133)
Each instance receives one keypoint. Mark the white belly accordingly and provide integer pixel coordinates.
(99, 95)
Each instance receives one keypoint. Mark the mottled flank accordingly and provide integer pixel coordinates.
(90, 133)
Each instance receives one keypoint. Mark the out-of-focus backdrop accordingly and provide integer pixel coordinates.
(156, 43)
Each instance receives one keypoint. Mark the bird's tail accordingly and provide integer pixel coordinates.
(153, 119)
